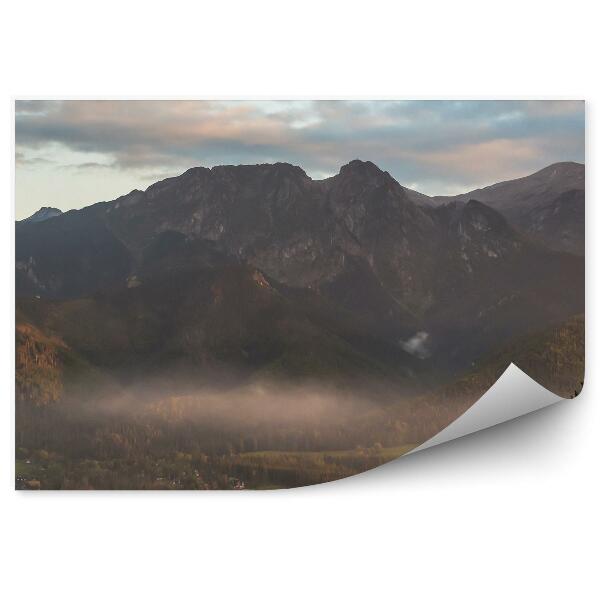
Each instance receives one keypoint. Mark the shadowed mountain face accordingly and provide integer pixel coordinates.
(559, 223)
(549, 204)
(256, 267)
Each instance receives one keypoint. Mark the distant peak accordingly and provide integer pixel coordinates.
(196, 171)
(562, 168)
(43, 214)
(568, 164)
(473, 205)
(289, 169)
(361, 167)
(476, 204)
(476, 211)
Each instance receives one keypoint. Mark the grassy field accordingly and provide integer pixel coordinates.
(262, 470)
(25, 470)
(322, 457)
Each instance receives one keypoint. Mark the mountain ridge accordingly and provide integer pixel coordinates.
(574, 169)
(355, 241)
(527, 200)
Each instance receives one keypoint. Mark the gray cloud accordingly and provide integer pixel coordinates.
(438, 146)
(88, 166)
(22, 161)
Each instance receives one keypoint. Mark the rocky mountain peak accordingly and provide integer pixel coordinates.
(483, 218)
(43, 214)
(280, 169)
(361, 169)
(574, 170)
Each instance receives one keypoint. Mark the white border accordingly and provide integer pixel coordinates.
(510, 512)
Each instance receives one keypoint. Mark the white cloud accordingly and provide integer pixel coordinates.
(417, 345)
(444, 147)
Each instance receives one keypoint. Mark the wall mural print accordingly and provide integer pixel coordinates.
(271, 294)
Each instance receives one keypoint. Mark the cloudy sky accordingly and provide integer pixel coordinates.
(69, 154)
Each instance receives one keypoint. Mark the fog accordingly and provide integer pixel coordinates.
(197, 435)
(254, 404)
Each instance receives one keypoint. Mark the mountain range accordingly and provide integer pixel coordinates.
(259, 270)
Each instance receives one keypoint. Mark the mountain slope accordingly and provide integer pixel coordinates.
(492, 283)
(554, 358)
(224, 324)
(532, 190)
(528, 201)
(559, 223)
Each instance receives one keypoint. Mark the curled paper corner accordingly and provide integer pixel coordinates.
(513, 395)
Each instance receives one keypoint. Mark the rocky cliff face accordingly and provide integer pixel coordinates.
(299, 231)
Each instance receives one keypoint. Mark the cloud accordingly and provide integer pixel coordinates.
(437, 146)
(88, 166)
(22, 160)
(417, 345)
